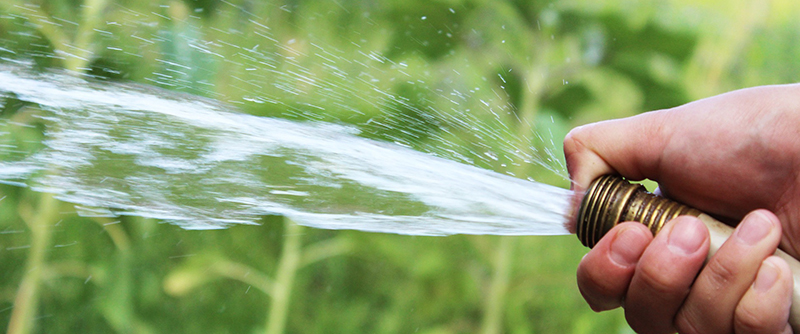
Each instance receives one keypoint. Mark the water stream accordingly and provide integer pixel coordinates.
(121, 149)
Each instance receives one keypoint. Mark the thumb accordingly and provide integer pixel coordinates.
(631, 147)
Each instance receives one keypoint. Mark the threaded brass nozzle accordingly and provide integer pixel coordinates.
(611, 200)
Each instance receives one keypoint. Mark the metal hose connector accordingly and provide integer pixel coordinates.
(611, 200)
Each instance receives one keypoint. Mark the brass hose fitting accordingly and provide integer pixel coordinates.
(611, 199)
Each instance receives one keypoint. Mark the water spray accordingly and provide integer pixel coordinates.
(611, 200)
(317, 175)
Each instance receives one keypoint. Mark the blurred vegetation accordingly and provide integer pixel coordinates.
(551, 65)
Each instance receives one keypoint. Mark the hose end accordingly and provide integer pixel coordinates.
(611, 199)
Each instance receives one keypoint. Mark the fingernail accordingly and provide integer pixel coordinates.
(767, 276)
(626, 248)
(754, 227)
(687, 236)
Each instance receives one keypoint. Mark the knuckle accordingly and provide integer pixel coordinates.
(646, 325)
(721, 271)
(592, 274)
(747, 321)
(659, 281)
(573, 141)
(686, 322)
(598, 292)
(572, 133)
(598, 287)
(596, 282)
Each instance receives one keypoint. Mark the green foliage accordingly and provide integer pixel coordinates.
(454, 78)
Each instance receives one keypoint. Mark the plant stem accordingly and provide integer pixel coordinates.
(92, 15)
(501, 272)
(501, 275)
(245, 274)
(284, 277)
(27, 297)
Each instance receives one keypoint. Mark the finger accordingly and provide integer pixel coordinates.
(664, 275)
(605, 272)
(630, 146)
(765, 306)
(710, 306)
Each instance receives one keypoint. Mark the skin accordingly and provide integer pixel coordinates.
(735, 156)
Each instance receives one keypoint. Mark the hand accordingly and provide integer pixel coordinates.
(727, 155)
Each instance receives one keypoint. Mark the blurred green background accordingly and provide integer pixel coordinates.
(553, 64)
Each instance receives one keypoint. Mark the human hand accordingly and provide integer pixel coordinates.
(725, 155)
